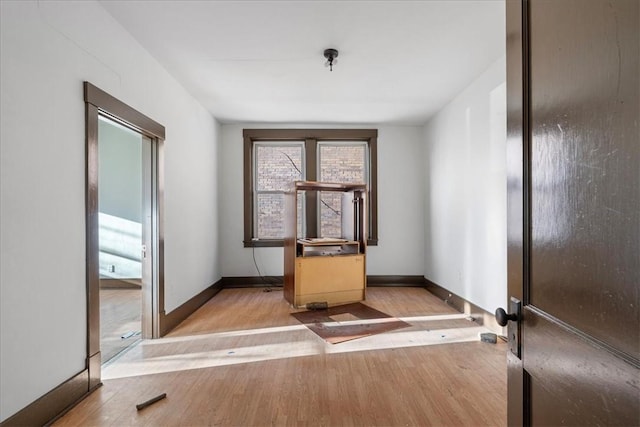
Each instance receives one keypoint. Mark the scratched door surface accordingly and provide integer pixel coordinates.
(580, 327)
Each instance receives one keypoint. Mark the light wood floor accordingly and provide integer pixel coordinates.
(120, 315)
(242, 360)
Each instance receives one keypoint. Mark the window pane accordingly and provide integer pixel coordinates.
(300, 219)
(278, 166)
(343, 163)
(339, 163)
(330, 214)
(270, 216)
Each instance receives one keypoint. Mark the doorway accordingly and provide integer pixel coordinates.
(120, 225)
(124, 184)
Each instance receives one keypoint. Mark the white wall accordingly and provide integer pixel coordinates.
(119, 201)
(47, 50)
(400, 205)
(465, 192)
(120, 171)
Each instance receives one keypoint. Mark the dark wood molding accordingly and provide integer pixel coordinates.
(264, 243)
(517, 81)
(518, 162)
(159, 206)
(279, 243)
(122, 112)
(457, 302)
(311, 199)
(49, 407)
(94, 368)
(252, 282)
(373, 191)
(395, 280)
(303, 134)
(92, 228)
(111, 283)
(445, 295)
(277, 281)
(247, 175)
(173, 319)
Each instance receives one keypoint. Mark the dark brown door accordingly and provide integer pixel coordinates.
(574, 212)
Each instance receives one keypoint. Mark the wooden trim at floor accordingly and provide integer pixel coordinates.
(276, 281)
(173, 319)
(111, 283)
(94, 366)
(479, 315)
(52, 405)
(252, 282)
(450, 298)
(417, 281)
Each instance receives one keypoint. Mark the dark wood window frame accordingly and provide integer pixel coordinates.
(311, 138)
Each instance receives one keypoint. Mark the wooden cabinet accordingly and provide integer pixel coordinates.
(334, 279)
(325, 269)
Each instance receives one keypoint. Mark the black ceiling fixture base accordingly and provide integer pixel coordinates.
(331, 55)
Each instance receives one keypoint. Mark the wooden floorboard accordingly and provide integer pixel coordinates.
(120, 315)
(243, 360)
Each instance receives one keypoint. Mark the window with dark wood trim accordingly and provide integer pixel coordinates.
(294, 154)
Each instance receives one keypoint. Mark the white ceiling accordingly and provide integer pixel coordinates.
(262, 61)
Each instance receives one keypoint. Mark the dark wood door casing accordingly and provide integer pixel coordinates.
(99, 102)
(517, 189)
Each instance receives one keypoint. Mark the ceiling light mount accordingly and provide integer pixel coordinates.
(331, 55)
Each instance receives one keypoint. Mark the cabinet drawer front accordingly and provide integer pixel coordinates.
(329, 274)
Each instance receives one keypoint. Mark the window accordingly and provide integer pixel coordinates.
(276, 166)
(338, 162)
(274, 158)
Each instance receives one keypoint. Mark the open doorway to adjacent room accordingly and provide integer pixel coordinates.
(120, 220)
(124, 192)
